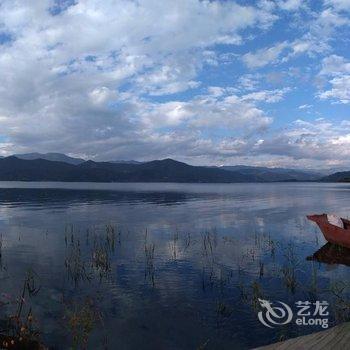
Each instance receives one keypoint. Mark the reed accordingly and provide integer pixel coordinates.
(256, 294)
(290, 267)
(82, 319)
(261, 269)
(75, 265)
(101, 260)
(223, 309)
(149, 262)
(188, 240)
(313, 289)
(111, 236)
(1, 246)
(19, 330)
(174, 245)
(340, 290)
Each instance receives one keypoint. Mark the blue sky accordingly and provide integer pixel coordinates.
(207, 82)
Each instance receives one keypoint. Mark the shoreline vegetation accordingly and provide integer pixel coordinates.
(14, 168)
(90, 259)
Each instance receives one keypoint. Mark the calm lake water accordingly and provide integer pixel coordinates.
(165, 266)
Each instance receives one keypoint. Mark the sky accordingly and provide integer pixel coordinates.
(206, 82)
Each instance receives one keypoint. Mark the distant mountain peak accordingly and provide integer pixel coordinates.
(266, 174)
(341, 176)
(169, 160)
(166, 170)
(38, 167)
(125, 162)
(52, 156)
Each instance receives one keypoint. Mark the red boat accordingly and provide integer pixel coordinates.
(332, 233)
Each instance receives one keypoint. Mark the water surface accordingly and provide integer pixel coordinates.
(165, 266)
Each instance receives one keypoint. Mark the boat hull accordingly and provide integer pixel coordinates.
(331, 233)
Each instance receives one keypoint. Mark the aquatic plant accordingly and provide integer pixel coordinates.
(110, 236)
(244, 293)
(272, 247)
(174, 245)
(223, 309)
(256, 294)
(204, 345)
(188, 240)
(1, 245)
(209, 239)
(87, 237)
(224, 278)
(340, 290)
(289, 268)
(20, 331)
(101, 259)
(75, 265)
(149, 262)
(261, 269)
(313, 289)
(82, 319)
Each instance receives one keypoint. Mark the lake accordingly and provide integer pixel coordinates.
(164, 266)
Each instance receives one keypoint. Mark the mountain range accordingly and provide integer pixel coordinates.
(275, 174)
(60, 157)
(342, 176)
(55, 157)
(60, 167)
(167, 170)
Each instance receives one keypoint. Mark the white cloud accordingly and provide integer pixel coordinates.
(340, 90)
(264, 56)
(284, 51)
(249, 82)
(102, 95)
(99, 79)
(219, 108)
(319, 31)
(339, 5)
(170, 78)
(306, 106)
(328, 20)
(337, 69)
(320, 141)
(87, 66)
(335, 65)
(290, 5)
(317, 144)
(267, 96)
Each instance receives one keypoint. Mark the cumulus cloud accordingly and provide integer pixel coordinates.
(218, 108)
(290, 5)
(320, 140)
(316, 144)
(284, 51)
(340, 90)
(339, 5)
(337, 69)
(264, 56)
(139, 79)
(94, 65)
(271, 96)
(171, 77)
(319, 31)
(335, 65)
